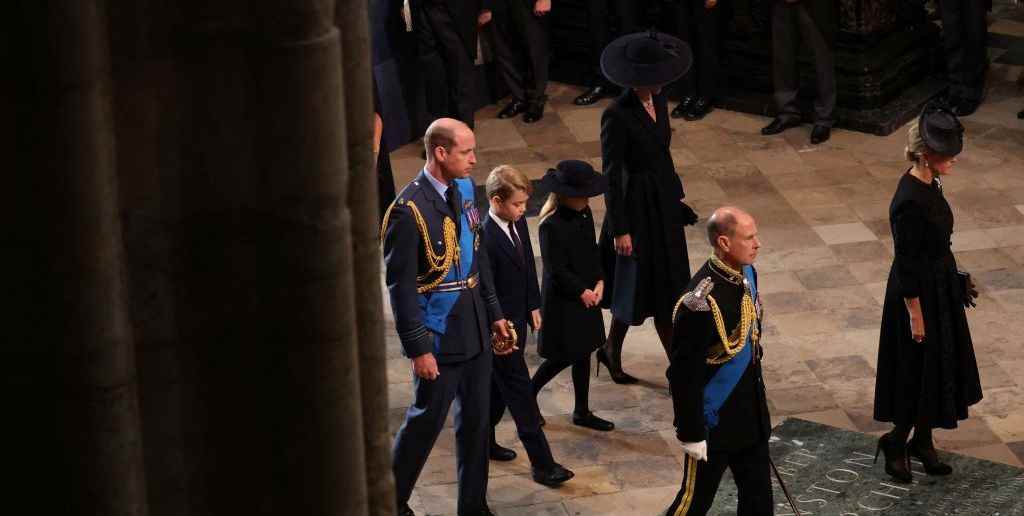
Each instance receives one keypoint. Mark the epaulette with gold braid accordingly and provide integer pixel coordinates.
(696, 299)
(438, 265)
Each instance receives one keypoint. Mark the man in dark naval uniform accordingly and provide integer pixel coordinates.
(721, 413)
(443, 298)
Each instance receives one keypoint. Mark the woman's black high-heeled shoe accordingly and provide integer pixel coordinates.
(618, 375)
(929, 458)
(897, 464)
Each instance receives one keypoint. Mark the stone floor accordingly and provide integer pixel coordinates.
(822, 212)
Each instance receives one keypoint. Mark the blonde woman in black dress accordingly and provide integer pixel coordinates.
(927, 374)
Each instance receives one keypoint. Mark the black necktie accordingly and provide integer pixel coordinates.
(518, 244)
(454, 199)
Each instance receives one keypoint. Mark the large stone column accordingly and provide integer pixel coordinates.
(74, 166)
(353, 20)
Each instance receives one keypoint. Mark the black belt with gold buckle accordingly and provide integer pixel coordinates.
(455, 286)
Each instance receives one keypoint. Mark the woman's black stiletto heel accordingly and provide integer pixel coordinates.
(618, 375)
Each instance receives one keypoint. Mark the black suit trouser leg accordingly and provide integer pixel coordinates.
(965, 37)
(512, 378)
(600, 34)
(467, 383)
(750, 470)
(521, 50)
(789, 23)
(442, 48)
(698, 26)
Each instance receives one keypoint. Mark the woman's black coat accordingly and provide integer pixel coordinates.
(935, 380)
(568, 248)
(644, 200)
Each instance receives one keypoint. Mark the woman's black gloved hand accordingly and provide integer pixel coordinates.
(689, 216)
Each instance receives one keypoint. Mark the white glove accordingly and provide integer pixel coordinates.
(699, 451)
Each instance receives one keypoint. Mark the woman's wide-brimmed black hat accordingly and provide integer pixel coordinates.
(575, 178)
(941, 130)
(645, 59)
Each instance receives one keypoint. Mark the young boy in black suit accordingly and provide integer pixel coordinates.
(507, 239)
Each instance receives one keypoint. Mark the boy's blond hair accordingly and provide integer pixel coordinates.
(504, 180)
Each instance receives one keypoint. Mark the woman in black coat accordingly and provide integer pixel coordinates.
(927, 373)
(573, 284)
(642, 240)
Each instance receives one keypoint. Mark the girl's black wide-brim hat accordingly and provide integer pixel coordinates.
(941, 130)
(574, 178)
(646, 59)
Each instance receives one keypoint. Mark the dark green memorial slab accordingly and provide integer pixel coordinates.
(830, 471)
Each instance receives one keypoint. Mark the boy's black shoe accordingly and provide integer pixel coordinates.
(534, 112)
(820, 134)
(589, 420)
(592, 95)
(553, 476)
(501, 453)
(781, 123)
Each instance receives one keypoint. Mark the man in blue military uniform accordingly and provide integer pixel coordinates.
(443, 298)
(721, 412)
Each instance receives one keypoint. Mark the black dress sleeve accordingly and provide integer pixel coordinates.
(613, 157)
(686, 371)
(908, 233)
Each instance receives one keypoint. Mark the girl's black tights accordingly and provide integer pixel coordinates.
(580, 379)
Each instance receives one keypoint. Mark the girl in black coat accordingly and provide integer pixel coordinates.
(573, 284)
(927, 373)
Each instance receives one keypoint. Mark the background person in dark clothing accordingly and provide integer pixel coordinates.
(522, 52)
(446, 39)
(965, 38)
(631, 16)
(718, 396)
(814, 23)
(699, 22)
(643, 244)
(927, 373)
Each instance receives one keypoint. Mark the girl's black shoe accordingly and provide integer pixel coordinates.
(896, 463)
(926, 454)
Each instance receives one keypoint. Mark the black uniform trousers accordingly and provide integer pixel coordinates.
(699, 27)
(521, 49)
(468, 383)
(511, 387)
(439, 47)
(789, 23)
(750, 469)
(965, 37)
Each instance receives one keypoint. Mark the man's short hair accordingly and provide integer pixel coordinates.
(439, 135)
(504, 181)
(721, 223)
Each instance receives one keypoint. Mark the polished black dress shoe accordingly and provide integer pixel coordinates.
(534, 112)
(780, 124)
(589, 420)
(965, 107)
(512, 109)
(683, 107)
(553, 476)
(404, 510)
(501, 453)
(698, 110)
(592, 95)
(820, 134)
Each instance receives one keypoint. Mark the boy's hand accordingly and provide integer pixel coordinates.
(589, 298)
(535, 320)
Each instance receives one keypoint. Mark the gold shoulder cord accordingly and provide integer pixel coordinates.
(437, 264)
(733, 344)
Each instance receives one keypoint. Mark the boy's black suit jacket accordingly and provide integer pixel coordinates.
(514, 281)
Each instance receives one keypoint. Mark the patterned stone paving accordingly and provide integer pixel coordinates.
(822, 213)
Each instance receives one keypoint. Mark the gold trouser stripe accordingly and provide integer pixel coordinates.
(690, 473)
